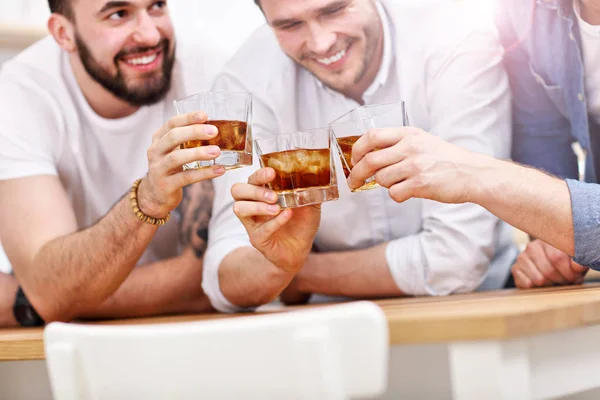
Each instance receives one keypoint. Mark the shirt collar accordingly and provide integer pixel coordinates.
(585, 26)
(387, 59)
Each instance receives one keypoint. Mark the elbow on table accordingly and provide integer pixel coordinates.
(52, 311)
(59, 307)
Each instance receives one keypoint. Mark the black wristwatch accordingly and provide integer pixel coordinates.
(24, 312)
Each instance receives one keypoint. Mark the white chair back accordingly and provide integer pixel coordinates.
(334, 352)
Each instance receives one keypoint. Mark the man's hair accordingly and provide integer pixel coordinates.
(61, 7)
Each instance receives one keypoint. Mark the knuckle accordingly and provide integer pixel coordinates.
(539, 280)
(382, 180)
(186, 179)
(548, 273)
(237, 209)
(395, 194)
(173, 159)
(525, 285)
(258, 192)
(200, 130)
(200, 152)
(555, 257)
(413, 166)
(410, 145)
(172, 123)
(170, 138)
(198, 116)
(418, 183)
(370, 160)
(374, 134)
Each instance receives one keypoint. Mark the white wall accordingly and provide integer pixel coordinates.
(211, 26)
(215, 28)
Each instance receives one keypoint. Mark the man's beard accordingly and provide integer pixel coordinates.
(371, 37)
(151, 91)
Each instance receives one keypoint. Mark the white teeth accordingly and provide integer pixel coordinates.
(332, 59)
(142, 60)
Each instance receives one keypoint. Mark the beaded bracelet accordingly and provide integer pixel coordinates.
(139, 213)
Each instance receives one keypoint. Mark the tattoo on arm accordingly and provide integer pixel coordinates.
(196, 210)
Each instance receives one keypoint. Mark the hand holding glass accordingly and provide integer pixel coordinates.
(304, 167)
(231, 113)
(347, 129)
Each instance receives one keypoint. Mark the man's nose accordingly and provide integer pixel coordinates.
(146, 32)
(321, 39)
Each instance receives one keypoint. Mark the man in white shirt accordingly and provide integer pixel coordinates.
(80, 121)
(315, 61)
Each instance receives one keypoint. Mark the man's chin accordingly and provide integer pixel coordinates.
(336, 82)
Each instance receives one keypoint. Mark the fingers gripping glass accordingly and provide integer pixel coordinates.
(347, 129)
(231, 113)
(304, 167)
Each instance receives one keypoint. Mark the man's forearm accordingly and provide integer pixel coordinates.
(248, 279)
(172, 286)
(358, 273)
(8, 292)
(79, 271)
(528, 199)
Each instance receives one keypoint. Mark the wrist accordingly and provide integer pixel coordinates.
(147, 205)
(286, 264)
(486, 178)
(302, 280)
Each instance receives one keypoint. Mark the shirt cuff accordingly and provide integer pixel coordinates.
(408, 280)
(210, 275)
(585, 207)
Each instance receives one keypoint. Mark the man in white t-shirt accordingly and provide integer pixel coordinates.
(84, 116)
(315, 61)
(553, 63)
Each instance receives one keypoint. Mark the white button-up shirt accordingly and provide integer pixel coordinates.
(449, 73)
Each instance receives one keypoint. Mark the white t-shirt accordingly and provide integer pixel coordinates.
(590, 41)
(48, 128)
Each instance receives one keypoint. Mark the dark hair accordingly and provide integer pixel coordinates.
(257, 3)
(60, 7)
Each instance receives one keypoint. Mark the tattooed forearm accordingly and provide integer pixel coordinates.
(196, 210)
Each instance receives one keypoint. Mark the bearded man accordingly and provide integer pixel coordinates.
(82, 120)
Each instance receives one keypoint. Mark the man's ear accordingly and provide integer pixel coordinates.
(63, 31)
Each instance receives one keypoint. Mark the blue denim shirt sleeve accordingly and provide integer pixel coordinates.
(585, 204)
(541, 134)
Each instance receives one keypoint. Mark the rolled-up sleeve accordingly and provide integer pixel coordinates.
(226, 232)
(585, 204)
(469, 105)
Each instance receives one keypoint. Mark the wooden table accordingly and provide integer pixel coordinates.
(508, 344)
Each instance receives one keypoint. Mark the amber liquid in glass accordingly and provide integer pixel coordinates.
(299, 169)
(232, 136)
(345, 144)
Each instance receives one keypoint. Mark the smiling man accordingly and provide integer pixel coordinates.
(83, 117)
(315, 61)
